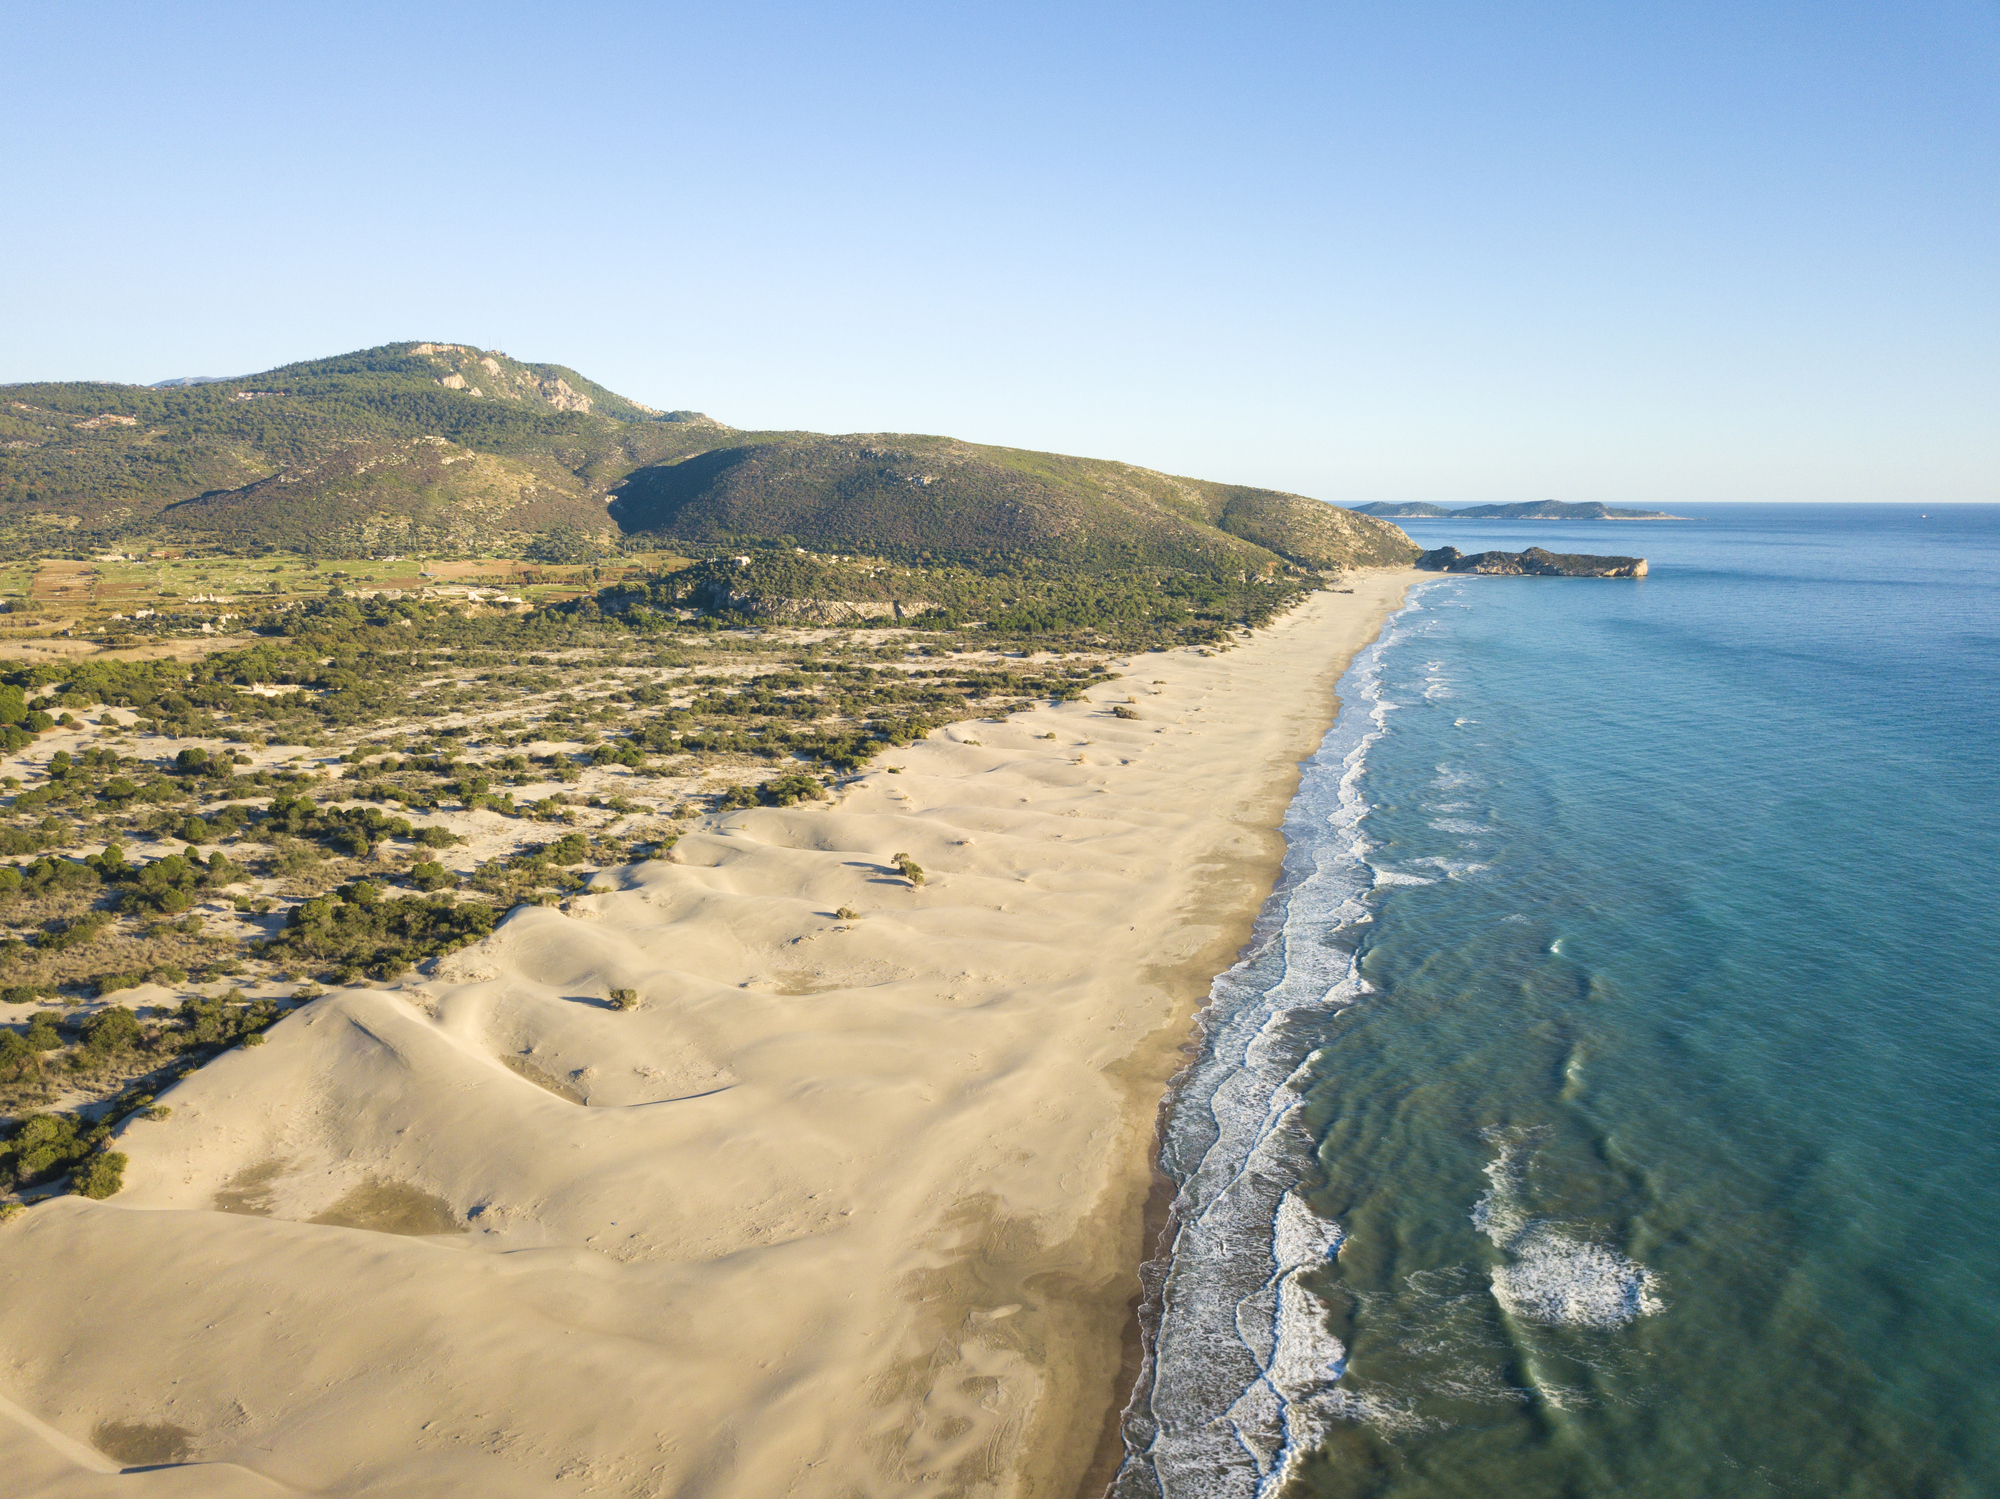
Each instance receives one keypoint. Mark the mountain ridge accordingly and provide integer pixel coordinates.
(427, 445)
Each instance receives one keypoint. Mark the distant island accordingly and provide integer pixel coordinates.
(1538, 510)
(1534, 562)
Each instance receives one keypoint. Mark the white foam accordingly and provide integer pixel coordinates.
(1461, 827)
(1555, 1274)
(1555, 1278)
(1453, 868)
(1243, 1373)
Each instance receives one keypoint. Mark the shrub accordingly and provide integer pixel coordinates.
(624, 999)
(357, 929)
(44, 1146)
(110, 1030)
(75, 934)
(848, 913)
(47, 875)
(429, 875)
(909, 868)
(784, 791)
(223, 1022)
(168, 886)
(17, 1057)
(101, 1176)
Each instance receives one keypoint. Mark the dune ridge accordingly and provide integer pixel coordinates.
(843, 1207)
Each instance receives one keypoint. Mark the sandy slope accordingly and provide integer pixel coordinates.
(845, 1208)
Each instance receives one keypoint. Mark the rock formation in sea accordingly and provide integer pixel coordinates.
(1534, 562)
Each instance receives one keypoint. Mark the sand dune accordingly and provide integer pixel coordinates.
(845, 1207)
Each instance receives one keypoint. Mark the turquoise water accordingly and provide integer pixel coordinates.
(1611, 1102)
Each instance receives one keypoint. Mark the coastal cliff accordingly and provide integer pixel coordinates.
(1534, 562)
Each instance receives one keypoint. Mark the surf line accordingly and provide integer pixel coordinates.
(1236, 1376)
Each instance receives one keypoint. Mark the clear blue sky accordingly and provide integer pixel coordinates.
(1631, 252)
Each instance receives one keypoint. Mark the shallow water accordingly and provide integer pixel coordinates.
(1606, 1107)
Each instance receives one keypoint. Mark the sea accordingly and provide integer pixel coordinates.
(1609, 1101)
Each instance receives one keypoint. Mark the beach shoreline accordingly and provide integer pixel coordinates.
(851, 1204)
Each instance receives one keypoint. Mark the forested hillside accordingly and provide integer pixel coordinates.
(425, 447)
(933, 498)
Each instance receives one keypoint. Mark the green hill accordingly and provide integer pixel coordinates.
(431, 446)
(324, 453)
(936, 499)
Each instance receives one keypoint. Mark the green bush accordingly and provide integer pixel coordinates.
(217, 1023)
(100, 1176)
(429, 875)
(17, 1058)
(110, 1030)
(44, 1146)
(355, 929)
(75, 932)
(784, 791)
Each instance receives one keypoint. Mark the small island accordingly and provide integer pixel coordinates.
(1533, 510)
(1534, 562)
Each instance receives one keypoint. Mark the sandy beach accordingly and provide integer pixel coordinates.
(848, 1205)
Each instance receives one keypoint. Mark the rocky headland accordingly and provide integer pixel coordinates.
(1534, 562)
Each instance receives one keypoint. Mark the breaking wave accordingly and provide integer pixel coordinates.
(1553, 1273)
(1242, 1376)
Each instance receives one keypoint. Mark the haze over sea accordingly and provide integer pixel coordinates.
(1607, 1107)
